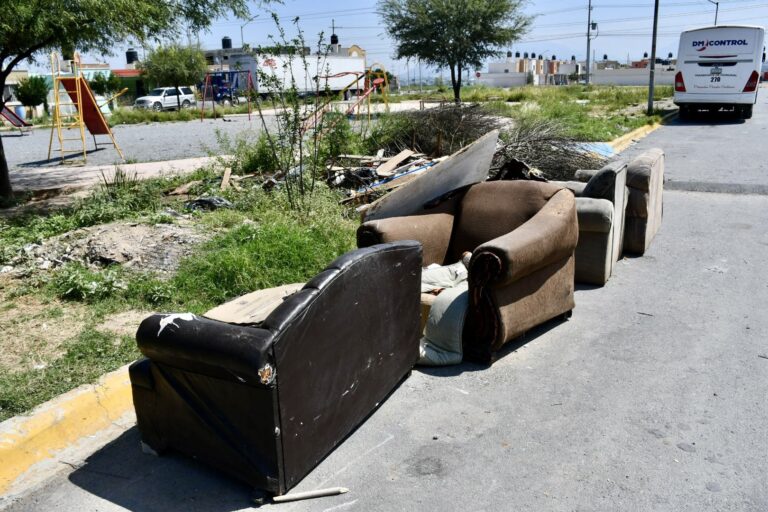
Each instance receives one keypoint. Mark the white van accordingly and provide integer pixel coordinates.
(719, 67)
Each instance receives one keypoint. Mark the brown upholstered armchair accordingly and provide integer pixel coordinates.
(267, 402)
(522, 235)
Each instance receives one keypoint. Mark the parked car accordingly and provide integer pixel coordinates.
(167, 98)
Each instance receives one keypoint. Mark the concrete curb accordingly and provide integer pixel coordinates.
(621, 143)
(55, 425)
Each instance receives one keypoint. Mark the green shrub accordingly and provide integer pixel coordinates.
(77, 282)
(338, 137)
(251, 153)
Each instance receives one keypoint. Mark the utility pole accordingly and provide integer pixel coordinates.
(652, 73)
(407, 73)
(717, 8)
(589, 28)
(242, 41)
(420, 74)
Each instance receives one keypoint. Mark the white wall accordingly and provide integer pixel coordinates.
(631, 77)
(502, 79)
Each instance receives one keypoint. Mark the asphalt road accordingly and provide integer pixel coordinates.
(652, 397)
(139, 142)
(715, 153)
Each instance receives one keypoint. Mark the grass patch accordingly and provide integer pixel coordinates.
(140, 115)
(88, 356)
(263, 244)
(589, 113)
(277, 249)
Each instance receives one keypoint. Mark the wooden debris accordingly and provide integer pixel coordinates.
(467, 166)
(183, 190)
(225, 179)
(388, 168)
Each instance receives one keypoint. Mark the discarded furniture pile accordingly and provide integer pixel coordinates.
(266, 385)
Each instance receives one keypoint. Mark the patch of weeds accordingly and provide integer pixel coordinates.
(87, 356)
(338, 138)
(225, 218)
(148, 290)
(437, 131)
(120, 198)
(251, 152)
(282, 247)
(77, 282)
(160, 218)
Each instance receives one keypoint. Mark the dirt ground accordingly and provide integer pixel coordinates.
(156, 248)
(32, 328)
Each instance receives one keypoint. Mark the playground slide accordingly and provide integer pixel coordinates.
(12, 118)
(376, 83)
(92, 117)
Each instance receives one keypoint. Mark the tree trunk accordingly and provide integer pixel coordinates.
(457, 90)
(6, 191)
(456, 86)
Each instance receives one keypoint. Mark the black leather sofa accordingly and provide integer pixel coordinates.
(267, 403)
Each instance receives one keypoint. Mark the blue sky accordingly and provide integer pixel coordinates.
(559, 27)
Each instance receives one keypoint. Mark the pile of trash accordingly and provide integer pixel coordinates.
(156, 248)
(367, 178)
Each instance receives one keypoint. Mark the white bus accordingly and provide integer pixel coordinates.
(719, 67)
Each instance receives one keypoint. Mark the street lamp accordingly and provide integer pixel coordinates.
(242, 42)
(717, 8)
(591, 26)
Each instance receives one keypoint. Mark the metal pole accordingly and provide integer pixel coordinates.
(651, 80)
(717, 9)
(589, 25)
(407, 73)
(420, 90)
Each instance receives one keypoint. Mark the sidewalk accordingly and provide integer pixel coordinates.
(70, 177)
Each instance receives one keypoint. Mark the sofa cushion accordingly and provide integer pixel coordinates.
(253, 307)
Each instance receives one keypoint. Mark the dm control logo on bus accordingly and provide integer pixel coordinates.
(703, 45)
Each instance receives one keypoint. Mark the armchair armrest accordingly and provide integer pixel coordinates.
(210, 347)
(432, 230)
(595, 215)
(577, 187)
(584, 175)
(549, 236)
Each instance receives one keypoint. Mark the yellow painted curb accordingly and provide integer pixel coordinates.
(621, 143)
(54, 425)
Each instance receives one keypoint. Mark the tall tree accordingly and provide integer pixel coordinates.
(454, 34)
(33, 91)
(30, 28)
(175, 65)
(104, 84)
